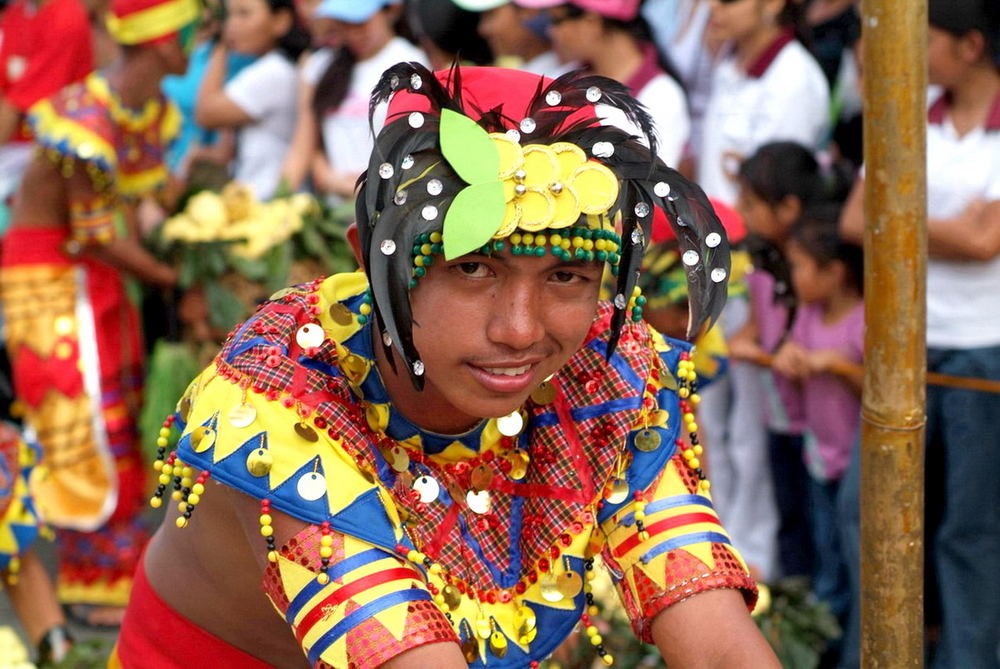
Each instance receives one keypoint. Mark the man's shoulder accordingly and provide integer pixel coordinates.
(76, 123)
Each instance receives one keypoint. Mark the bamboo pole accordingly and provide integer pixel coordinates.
(893, 402)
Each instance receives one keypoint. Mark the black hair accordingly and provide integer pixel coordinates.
(960, 17)
(332, 87)
(817, 232)
(388, 221)
(294, 42)
(793, 16)
(779, 169)
(449, 27)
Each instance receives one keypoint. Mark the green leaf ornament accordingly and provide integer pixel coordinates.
(473, 218)
(468, 148)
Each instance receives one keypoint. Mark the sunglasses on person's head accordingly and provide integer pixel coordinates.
(564, 13)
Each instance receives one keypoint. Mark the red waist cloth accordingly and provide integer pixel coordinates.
(35, 246)
(154, 636)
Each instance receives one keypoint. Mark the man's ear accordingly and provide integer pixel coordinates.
(354, 239)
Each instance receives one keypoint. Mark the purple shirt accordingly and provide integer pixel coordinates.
(832, 410)
(783, 408)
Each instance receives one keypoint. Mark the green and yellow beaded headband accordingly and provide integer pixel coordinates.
(489, 160)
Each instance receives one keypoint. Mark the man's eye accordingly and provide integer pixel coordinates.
(567, 277)
(473, 269)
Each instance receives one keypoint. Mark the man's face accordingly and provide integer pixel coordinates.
(490, 329)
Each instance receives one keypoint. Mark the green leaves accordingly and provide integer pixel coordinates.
(478, 210)
(473, 218)
(468, 148)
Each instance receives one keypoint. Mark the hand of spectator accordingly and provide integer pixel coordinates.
(791, 361)
(821, 362)
(744, 348)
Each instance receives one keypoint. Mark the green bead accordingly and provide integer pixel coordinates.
(362, 319)
(420, 271)
(640, 300)
(499, 246)
(413, 283)
(428, 261)
(614, 270)
(437, 249)
(602, 255)
(539, 251)
(517, 249)
(581, 253)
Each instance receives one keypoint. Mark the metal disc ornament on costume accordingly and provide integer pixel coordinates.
(642, 209)
(718, 275)
(310, 335)
(481, 477)
(519, 460)
(407, 162)
(620, 301)
(470, 650)
(416, 120)
(552, 98)
(398, 458)
(399, 198)
(479, 501)
(648, 440)
(525, 620)
(202, 439)
(593, 94)
(418, 367)
(637, 236)
(570, 584)
(483, 627)
(544, 394)
(618, 492)
(498, 643)
(306, 431)
(434, 187)
(259, 462)
(386, 339)
(514, 134)
(549, 587)
(242, 415)
(416, 82)
(661, 189)
(713, 239)
(527, 125)
(690, 257)
(603, 150)
(511, 424)
(387, 247)
(452, 597)
(386, 171)
(311, 486)
(427, 488)
(429, 213)
(340, 314)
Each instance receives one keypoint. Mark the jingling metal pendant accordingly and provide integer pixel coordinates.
(544, 394)
(498, 643)
(354, 367)
(527, 624)
(481, 478)
(470, 650)
(242, 415)
(570, 584)
(479, 502)
(511, 424)
(311, 486)
(483, 627)
(618, 492)
(427, 488)
(306, 431)
(452, 597)
(526, 636)
(549, 587)
(185, 408)
(310, 335)
(202, 439)
(519, 460)
(398, 459)
(259, 462)
(340, 314)
(647, 440)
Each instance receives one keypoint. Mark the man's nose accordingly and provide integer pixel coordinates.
(518, 318)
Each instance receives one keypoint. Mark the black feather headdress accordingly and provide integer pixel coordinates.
(410, 184)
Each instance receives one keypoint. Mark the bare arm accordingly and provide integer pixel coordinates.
(214, 108)
(10, 117)
(711, 630)
(300, 154)
(972, 235)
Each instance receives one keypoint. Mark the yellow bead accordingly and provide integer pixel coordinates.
(601, 244)
(193, 498)
(176, 495)
(694, 463)
(588, 244)
(322, 578)
(698, 450)
(182, 507)
(164, 479)
(435, 237)
(198, 489)
(168, 469)
(162, 442)
(265, 519)
(266, 530)
(577, 242)
(591, 574)
(155, 502)
(326, 540)
(692, 427)
(181, 522)
(435, 569)
(636, 291)
(187, 472)
(426, 249)
(515, 238)
(439, 599)
(597, 639)
(644, 536)
(540, 240)
(365, 308)
(688, 417)
(186, 482)
(706, 484)
(158, 465)
(608, 659)
(640, 515)
(566, 244)
(592, 630)
(592, 611)
(683, 393)
(325, 551)
(272, 556)
(164, 431)
(419, 261)
(688, 453)
(555, 240)
(528, 239)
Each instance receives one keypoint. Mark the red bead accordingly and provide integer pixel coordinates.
(488, 456)
(565, 540)
(320, 422)
(505, 596)
(491, 597)
(287, 402)
(543, 564)
(532, 577)
(554, 553)
(520, 587)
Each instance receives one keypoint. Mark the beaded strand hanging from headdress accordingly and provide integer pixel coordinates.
(471, 159)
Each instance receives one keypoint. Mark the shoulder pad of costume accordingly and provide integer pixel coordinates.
(75, 124)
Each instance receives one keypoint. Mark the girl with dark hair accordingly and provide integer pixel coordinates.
(332, 142)
(828, 333)
(767, 87)
(613, 40)
(260, 101)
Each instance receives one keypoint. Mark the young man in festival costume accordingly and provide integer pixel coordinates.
(71, 330)
(421, 462)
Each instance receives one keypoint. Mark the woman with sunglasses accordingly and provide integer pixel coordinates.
(613, 40)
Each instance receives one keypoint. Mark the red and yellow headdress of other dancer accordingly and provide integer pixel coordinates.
(132, 22)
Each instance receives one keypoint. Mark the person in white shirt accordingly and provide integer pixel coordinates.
(332, 141)
(963, 325)
(259, 102)
(767, 88)
(613, 40)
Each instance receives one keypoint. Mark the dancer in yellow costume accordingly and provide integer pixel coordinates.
(72, 333)
(427, 464)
